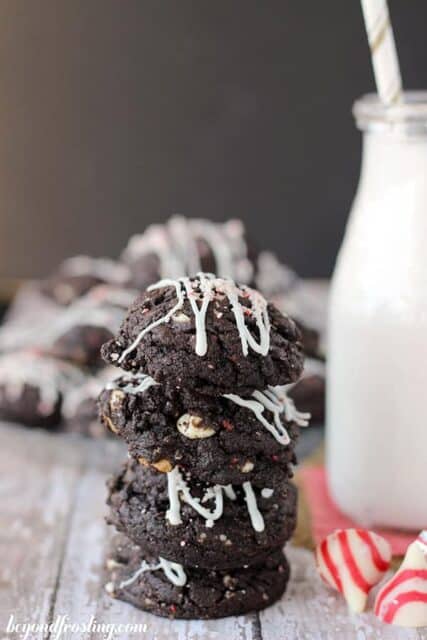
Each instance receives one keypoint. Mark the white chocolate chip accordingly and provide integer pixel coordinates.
(267, 493)
(247, 467)
(180, 317)
(113, 564)
(229, 582)
(192, 427)
(109, 588)
(116, 398)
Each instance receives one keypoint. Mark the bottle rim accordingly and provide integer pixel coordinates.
(408, 116)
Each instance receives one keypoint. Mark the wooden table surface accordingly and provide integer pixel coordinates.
(53, 543)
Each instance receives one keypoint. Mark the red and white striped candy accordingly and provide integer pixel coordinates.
(403, 600)
(352, 561)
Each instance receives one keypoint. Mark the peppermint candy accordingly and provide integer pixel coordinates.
(403, 599)
(352, 561)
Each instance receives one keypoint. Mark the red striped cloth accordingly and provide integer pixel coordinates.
(326, 517)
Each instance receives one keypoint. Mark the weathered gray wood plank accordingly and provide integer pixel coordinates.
(37, 488)
(54, 542)
(80, 581)
(310, 610)
(235, 628)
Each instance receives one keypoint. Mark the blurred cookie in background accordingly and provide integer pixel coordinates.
(309, 392)
(306, 302)
(185, 246)
(81, 329)
(33, 386)
(76, 276)
(80, 409)
(272, 277)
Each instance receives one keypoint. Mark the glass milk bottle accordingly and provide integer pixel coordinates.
(377, 367)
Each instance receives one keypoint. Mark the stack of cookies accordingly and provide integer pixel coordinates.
(204, 505)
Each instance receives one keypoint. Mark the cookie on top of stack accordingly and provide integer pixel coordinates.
(204, 505)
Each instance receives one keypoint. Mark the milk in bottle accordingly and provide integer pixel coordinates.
(377, 368)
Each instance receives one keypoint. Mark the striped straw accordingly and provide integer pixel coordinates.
(383, 51)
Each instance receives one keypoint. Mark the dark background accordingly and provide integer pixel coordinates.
(117, 113)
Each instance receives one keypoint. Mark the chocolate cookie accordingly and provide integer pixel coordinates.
(224, 439)
(76, 276)
(272, 277)
(309, 393)
(184, 246)
(171, 590)
(210, 334)
(310, 339)
(80, 410)
(81, 344)
(86, 325)
(307, 305)
(32, 387)
(200, 524)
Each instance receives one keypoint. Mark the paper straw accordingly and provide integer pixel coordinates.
(383, 51)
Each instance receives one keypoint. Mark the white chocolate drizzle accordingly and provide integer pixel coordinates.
(49, 376)
(163, 320)
(103, 306)
(275, 400)
(229, 492)
(87, 312)
(273, 277)
(173, 571)
(177, 486)
(254, 513)
(178, 489)
(200, 292)
(207, 295)
(106, 294)
(89, 390)
(102, 268)
(143, 381)
(176, 246)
